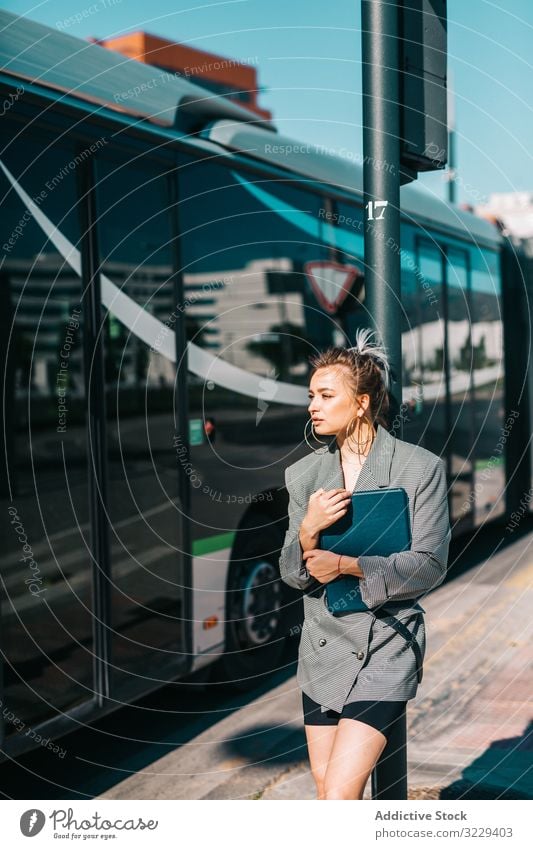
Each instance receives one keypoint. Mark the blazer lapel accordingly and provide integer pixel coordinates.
(376, 469)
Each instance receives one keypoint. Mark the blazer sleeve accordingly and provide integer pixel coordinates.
(410, 574)
(292, 568)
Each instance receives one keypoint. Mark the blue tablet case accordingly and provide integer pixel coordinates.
(376, 522)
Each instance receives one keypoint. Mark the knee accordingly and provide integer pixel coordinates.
(337, 791)
(333, 793)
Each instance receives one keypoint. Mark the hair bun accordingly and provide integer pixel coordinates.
(363, 346)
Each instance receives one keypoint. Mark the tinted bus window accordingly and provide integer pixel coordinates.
(461, 364)
(491, 429)
(428, 369)
(348, 238)
(45, 564)
(135, 243)
(256, 301)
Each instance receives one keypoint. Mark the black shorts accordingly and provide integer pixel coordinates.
(379, 715)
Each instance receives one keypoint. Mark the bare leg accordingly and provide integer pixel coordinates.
(320, 740)
(356, 749)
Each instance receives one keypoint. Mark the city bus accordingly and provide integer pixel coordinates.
(170, 261)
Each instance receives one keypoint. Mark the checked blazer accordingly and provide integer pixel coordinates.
(343, 659)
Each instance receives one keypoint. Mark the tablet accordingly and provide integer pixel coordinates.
(376, 522)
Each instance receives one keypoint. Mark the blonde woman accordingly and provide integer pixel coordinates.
(357, 672)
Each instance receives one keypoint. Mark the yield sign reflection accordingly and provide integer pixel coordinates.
(331, 282)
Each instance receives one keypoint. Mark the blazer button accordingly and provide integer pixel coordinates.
(322, 642)
(360, 655)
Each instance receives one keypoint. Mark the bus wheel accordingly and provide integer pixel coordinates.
(255, 626)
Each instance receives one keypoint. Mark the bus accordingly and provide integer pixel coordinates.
(169, 263)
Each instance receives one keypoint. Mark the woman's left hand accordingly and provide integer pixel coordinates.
(322, 565)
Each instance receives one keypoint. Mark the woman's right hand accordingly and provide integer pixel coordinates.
(324, 508)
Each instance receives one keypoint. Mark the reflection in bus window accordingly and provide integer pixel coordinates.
(45, 565)
(135, 243)
(429, 370)
(491, 430)
(462, 437)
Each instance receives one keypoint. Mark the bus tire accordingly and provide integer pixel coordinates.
(255, 629)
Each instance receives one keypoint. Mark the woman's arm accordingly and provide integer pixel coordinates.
(297, 540)
(410, 574)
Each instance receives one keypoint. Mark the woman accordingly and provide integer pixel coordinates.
(356, 671)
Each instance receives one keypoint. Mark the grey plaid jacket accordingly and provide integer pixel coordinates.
(343, 659)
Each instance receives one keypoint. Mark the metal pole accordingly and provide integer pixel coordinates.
(381, 179)
(94, 366)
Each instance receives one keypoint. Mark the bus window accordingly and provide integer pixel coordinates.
(491, 429)
(412, 422)
(253, 254)
(348, 239)
(461, 361)
(135, 243)
(429, 367)
(45, 565)
(246, 247)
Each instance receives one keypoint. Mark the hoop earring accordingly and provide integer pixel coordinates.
(314, 435)
(360, 445)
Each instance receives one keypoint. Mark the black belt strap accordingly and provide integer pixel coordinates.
(410, 638)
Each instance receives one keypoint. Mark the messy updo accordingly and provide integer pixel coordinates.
(367, 371)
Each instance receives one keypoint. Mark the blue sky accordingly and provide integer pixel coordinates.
(309, 58)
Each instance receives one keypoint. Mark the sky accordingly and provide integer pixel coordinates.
(308, 54)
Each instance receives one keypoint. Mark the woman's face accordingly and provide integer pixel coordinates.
(331, 404)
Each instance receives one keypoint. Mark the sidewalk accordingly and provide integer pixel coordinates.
(469, 728)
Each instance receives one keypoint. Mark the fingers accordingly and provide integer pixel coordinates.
(336, 506)
(339, 499)
(339, 495)
(332, 492)
(343, 489)
(339, 514)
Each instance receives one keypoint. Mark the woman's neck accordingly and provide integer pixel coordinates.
(349, 448)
